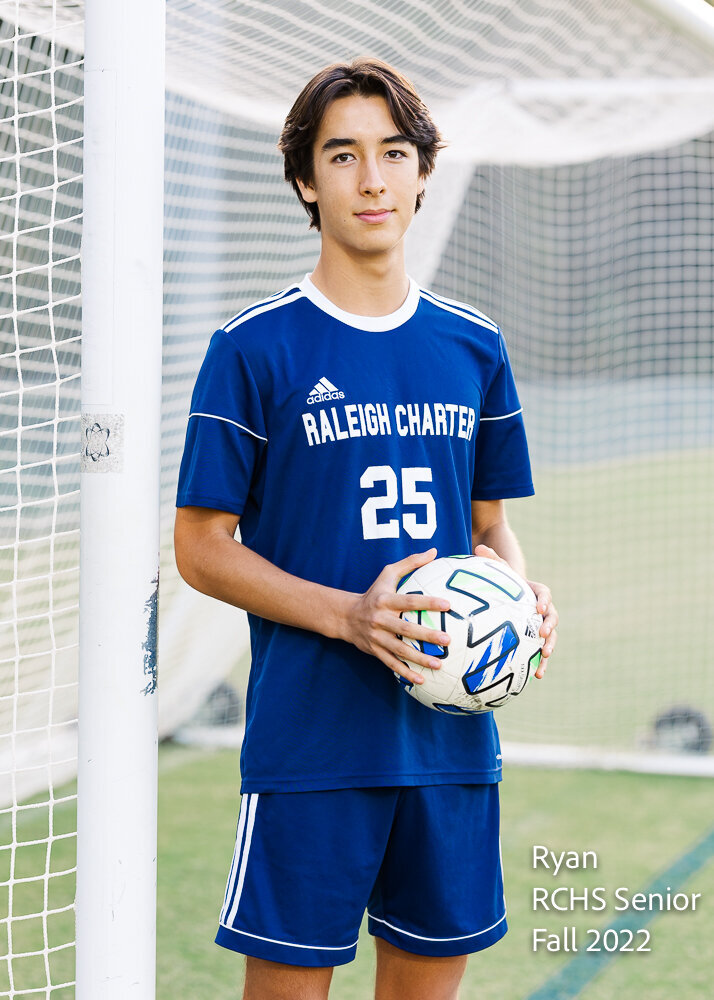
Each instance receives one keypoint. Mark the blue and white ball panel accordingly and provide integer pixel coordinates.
(308, 864)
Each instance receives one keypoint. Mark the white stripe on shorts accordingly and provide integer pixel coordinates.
(250, 822)
(245, 809)
(291, 944)
(236, 850)
(421, 937)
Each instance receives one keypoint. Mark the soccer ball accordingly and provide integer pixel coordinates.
(493, 623)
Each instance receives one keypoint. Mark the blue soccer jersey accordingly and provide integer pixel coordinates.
(345, 443)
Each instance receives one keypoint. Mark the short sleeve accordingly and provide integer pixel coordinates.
(226, 435)
(502, 466)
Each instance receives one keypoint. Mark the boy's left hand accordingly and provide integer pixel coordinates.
(544, 606)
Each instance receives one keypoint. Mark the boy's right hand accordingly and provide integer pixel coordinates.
(372, 621)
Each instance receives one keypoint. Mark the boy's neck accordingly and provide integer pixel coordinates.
(365, 289)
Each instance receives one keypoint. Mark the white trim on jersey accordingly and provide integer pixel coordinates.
(255, 305)
(367, 324)
(250, 823)
(505, 416)
(260, 307)
(214, 416)
(460, 309)
(290, 944)
(421, 937)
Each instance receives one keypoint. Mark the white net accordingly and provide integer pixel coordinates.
(574, 205)
(611, 332)
(40, 213)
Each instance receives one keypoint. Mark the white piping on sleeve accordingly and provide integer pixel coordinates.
(504, 417)
(214, 416)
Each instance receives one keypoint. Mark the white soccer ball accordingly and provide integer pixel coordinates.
(493, 623)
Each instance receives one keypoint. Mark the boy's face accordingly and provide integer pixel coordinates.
(365, 177)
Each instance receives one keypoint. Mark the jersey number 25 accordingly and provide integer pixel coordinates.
(415, 526)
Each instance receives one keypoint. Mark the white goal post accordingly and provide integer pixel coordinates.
(122, 269)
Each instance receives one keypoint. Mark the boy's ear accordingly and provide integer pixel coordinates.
(306, 190)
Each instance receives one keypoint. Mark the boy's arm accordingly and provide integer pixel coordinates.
(210, 559)
(492, 536)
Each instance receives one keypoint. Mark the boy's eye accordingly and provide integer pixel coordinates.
(396, 154)
(339, 157)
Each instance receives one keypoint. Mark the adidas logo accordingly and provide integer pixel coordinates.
(323, 391)
(533, 625)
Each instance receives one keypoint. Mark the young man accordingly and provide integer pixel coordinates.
(350, 422)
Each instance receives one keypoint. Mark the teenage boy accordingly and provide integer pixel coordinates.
(355, 425)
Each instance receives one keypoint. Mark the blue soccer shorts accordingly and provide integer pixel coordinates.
(425, 861)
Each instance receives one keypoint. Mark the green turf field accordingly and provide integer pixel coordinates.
(626, 549)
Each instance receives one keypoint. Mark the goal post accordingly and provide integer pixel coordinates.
(122, 273)
(694, 18)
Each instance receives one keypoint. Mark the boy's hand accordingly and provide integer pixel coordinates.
(544, 606)
(372, 622)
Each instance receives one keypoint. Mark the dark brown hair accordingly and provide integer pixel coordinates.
(365, 77)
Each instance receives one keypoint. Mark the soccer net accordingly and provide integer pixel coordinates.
(573, 205)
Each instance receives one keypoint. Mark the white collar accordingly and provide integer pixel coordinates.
(368, 323)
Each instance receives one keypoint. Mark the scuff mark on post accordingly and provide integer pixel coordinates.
(150, 647)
